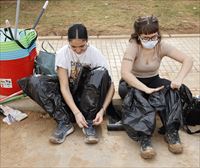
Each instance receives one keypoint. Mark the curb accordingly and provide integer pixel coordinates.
(117, 36)
(27, 104)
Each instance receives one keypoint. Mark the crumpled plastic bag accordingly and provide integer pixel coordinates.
(45, 91)
(88, 91)
(12, 115)
(139, 110)
(95, 89)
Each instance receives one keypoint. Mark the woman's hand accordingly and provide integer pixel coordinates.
(80, 120)
(151, 90)
(99, 117)
(176, 84)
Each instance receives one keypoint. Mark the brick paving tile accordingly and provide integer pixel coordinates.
(113, 49)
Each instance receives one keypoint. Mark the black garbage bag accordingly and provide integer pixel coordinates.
(191, 109)
(114, 117)
(94, 92)
(139, 111)
(45, 91)
(137, 114)
(167, 103)
(77, 85)
(88, 91)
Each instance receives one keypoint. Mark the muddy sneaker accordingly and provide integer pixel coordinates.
(61, 133)
(146, 150)
(90, 134)
(174, 143)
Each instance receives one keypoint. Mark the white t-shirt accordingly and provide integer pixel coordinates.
(71, 61)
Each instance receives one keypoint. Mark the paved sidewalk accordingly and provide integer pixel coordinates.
(113, 48)
(25, 144)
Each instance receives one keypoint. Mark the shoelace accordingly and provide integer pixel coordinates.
(61, 126)
(145, 141)
(90, 130)
(173, 136)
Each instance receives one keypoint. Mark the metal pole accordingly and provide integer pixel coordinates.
(41, 13)
(17, 19)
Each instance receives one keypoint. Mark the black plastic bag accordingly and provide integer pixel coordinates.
(139, 111)
(114, 117)
(95, 89)
(191, 109)
(169, 108)
(45, 91)
(45, 61)
(88, 94)
(134, 108)
(192, 113)
(77, 85)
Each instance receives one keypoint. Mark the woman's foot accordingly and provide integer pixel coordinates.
(90, 134)
(174, 143)
(146, 150)
(61, 132)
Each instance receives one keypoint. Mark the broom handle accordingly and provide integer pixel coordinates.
(41, 13)
(7, 97)
(13, 98)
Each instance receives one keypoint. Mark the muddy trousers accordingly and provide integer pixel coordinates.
(139, 109)
(45, 91)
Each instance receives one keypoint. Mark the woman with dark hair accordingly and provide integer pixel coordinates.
(81, 91)
(139, 71)
(94, 91)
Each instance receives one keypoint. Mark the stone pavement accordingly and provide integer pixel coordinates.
(25, 144)
(113, 48)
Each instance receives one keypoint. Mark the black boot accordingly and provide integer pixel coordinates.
(147, 151)
(173, 140)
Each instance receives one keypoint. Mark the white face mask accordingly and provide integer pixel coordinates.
(149, 44)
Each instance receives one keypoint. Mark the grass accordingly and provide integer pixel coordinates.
(104, 17)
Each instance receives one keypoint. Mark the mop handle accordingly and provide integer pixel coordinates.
(17, 19)
(41, 13)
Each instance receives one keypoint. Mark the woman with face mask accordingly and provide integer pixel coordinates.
(140, 71)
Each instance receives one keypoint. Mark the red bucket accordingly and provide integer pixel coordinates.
(13, 70)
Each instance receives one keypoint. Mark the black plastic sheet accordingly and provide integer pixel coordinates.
(139, 111)
(88, 91)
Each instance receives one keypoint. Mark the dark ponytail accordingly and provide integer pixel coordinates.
(77, 31)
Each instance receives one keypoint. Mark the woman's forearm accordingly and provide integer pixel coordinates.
(186, 67)
(64, 87)
(134, 82)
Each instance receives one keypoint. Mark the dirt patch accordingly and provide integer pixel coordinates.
(26, 144)
(103, 17)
